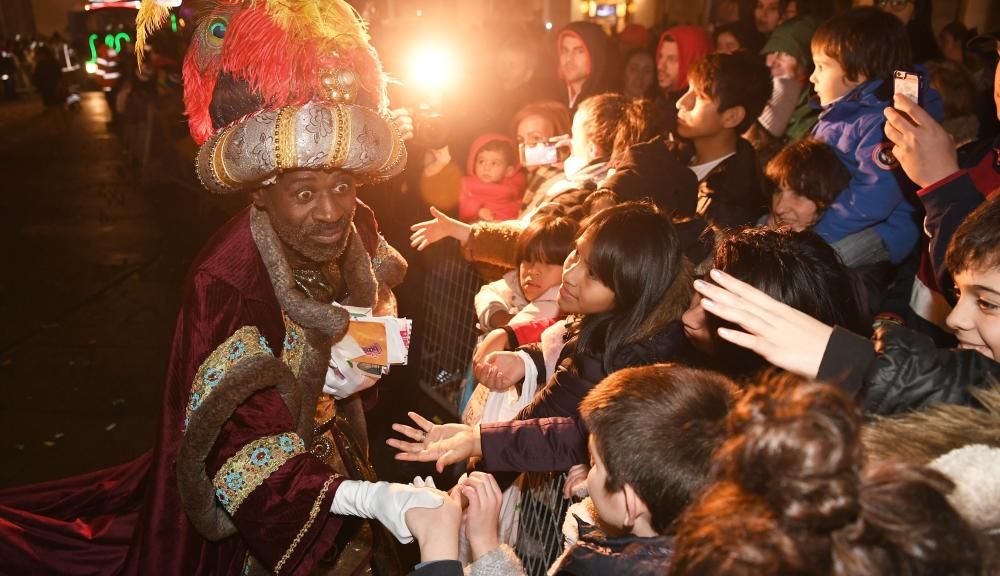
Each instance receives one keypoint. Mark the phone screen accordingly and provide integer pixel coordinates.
(907, 84)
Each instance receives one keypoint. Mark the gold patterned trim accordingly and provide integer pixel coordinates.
(245, 343)
(396, 154)
(285, 147)
(219, 161)
(342, 129)
(313, 513)
(252, 465)
(294, 345)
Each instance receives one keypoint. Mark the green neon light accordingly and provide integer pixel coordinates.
(93, 49)
(118, 40)
(173, 23)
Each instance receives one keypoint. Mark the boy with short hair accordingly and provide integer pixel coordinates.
(807, 177)
(855, 54)
(653, 431)
(726, 94)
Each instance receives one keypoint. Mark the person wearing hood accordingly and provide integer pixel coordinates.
(677, 49)
(493, 188)
(583, 51)
(788, 113)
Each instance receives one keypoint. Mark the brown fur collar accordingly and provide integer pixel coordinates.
(330, 320)
(924, 435)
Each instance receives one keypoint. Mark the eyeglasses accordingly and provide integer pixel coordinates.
(892, 4)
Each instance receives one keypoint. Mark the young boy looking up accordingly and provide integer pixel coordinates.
(807, 178)
(653, 431)
(726, 93)
(855, 54)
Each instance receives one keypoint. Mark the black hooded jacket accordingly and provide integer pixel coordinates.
(599, 49)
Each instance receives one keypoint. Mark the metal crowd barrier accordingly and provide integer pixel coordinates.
(543, 508)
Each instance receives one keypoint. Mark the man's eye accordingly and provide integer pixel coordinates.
(304, 195)
(342, 188)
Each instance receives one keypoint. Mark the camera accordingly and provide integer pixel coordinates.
(431, 130)
(545, 153)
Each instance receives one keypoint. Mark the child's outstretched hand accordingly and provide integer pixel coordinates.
(482, 517)
(444, 443)
(486, 215)
(441, 226)
(499, 370)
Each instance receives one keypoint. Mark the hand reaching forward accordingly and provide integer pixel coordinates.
(440, 226)
(576, 481)
(436, 529)
(444, 443)
(482, 517)
(499, 370)
(925, 151)
(784, 336)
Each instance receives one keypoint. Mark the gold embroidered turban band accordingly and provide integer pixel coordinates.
(323, 135)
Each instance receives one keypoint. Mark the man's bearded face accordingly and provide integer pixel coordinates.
(311, 211)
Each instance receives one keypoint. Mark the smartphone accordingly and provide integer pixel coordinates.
(907, 84)
(545, 153)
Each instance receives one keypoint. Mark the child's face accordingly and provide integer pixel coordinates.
(976, 316)
(668, 65)
(829, 80)
(492, 166)
(610, 506)
(581, 292)
(788, 208)
(726, 43)
(537, 278)
(782, 65)
(698, 114)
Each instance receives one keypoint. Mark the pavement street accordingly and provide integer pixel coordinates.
(92, 270)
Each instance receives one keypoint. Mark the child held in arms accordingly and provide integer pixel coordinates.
(493, 191)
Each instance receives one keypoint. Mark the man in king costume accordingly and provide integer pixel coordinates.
(255, 469)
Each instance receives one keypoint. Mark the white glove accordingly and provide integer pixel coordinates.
(384, 502)
(423, 482)
(343, 379)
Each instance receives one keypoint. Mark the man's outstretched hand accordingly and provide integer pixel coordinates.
(444, 444)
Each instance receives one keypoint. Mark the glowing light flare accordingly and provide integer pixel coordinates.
(91, 67)
(548, 25)
(432, 71)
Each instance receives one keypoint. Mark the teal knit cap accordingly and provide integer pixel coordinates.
(793, 38)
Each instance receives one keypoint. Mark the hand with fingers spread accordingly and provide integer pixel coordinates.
(482, 517)
(441, 226)
(444, 443)
(925, 151)
(782, 335)
(576, 480)
(499, 370)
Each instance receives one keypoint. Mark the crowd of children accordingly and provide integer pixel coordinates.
(824, 401)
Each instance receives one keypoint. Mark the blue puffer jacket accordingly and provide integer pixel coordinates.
(854, 127)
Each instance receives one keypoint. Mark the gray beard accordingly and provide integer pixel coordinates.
(298, 239)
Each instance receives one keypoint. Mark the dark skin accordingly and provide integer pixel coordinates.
(311, 210)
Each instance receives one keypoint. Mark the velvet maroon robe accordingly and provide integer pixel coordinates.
(128, 519)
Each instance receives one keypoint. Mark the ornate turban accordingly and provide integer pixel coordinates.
(277, 85)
